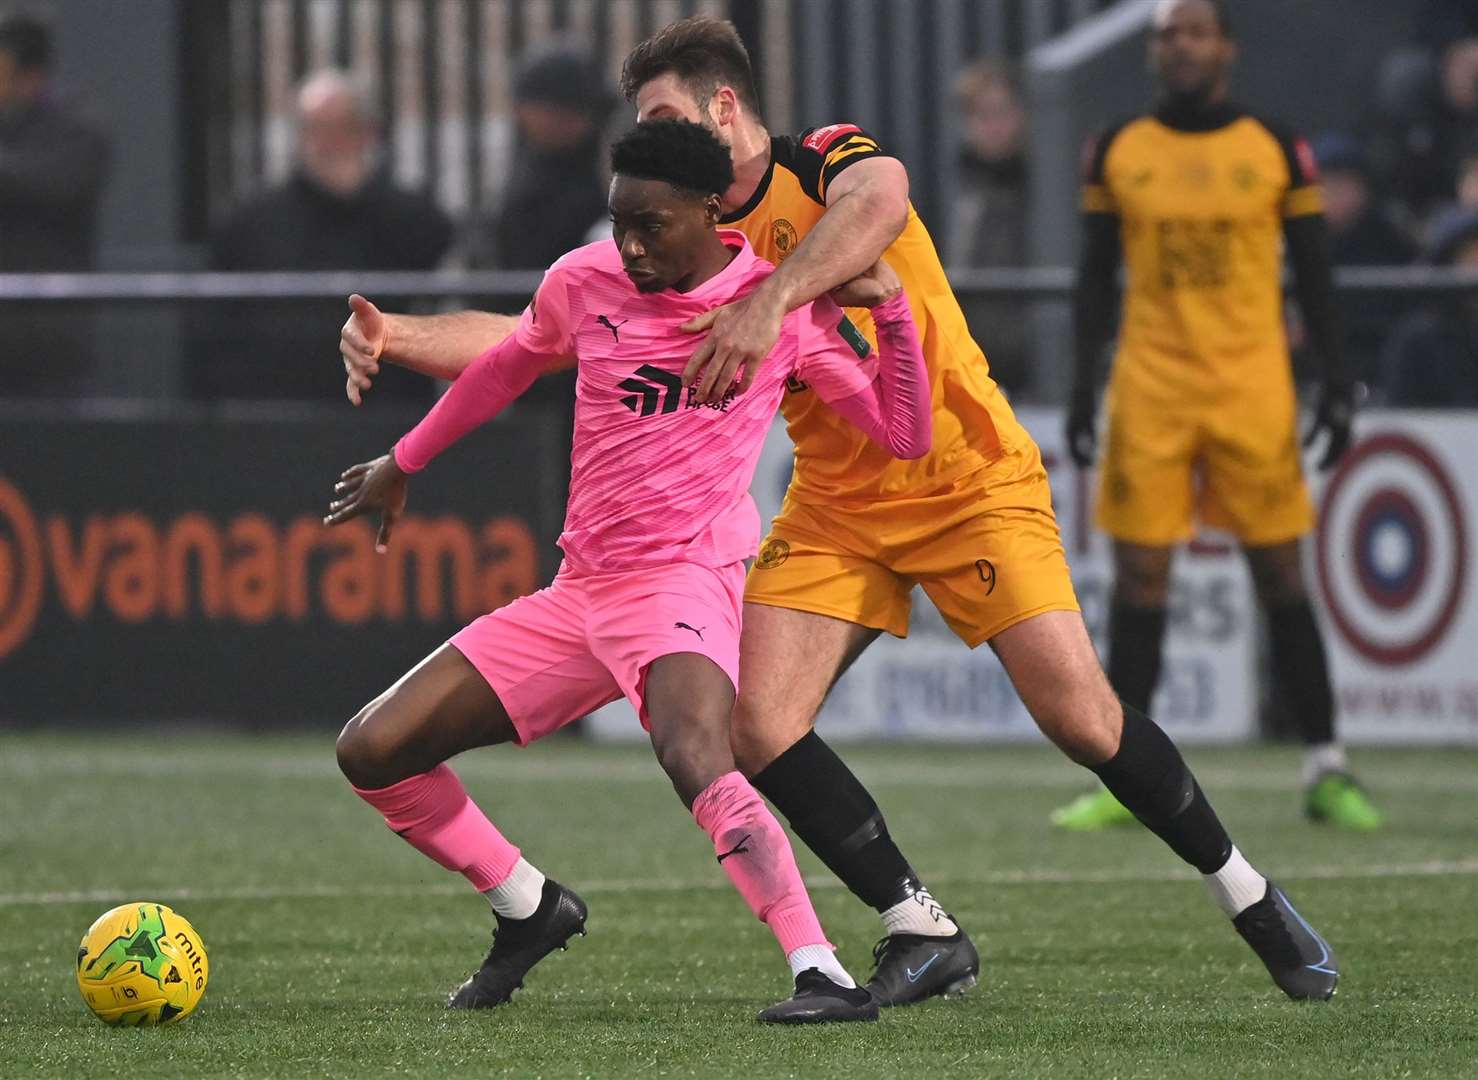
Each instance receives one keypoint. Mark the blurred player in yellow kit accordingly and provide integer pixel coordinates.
(971, 523)
(1199, 200)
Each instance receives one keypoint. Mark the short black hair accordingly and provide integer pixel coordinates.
(687, 156)
(704, 52)
(27, 39)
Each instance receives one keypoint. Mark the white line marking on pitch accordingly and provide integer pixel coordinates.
(512, 768)
(1461, 868)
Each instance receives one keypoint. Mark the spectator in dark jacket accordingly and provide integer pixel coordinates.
(556, 188)
(337, 211)
(53, 165)
(1360, 234)
(1427, 107)
(1432, 361)
(988, 221)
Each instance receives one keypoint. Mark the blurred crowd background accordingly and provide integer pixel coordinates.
(469, 135)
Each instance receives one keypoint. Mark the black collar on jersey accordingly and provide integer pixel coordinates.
(1182, 115)
(759, 193)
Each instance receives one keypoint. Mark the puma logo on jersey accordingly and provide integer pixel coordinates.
(614, 328)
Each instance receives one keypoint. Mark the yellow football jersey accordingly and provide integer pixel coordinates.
(1201, 217)
(973, 424)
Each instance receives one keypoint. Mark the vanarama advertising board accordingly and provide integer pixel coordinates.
(177, 566)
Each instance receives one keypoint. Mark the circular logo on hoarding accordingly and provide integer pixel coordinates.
(1393, 550)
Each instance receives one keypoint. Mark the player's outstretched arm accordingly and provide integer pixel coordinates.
(866, 210)
(492, 381)
(484, 390)
(487, 386)
(441, 346)
(894, 409)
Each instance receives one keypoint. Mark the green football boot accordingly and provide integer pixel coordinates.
(1092, 811)
(1336, 799)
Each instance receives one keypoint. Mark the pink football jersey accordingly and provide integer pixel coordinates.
(657, 477)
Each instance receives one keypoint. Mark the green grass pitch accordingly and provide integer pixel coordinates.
(332, 944)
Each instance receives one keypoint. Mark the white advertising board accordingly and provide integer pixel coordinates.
(1390, 566)
(929, 686)
(1393, 562)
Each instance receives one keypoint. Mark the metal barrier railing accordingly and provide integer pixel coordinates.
(1053, 282)
(185, 335)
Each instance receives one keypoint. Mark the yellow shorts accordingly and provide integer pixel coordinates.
(985, 549)
(1232, 466)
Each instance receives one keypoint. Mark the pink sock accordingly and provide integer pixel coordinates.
(755, 853)
(435, 815)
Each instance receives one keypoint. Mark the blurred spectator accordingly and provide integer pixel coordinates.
(338, 211)
(988, 229)
(1432, 361)
(554, 199)
(1360, 234)
(1443, 21)
(53, 165)
(988, 223)
(1467, 179)
(1428, 102)
(556, 189)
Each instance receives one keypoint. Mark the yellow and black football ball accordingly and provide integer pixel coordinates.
(141, 963)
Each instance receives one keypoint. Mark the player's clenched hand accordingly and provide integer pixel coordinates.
(361, 341)
(875, 285)
(1334, 417)
(373, 486)
(740, 335)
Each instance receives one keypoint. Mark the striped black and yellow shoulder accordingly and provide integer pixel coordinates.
(791, 197)
(819, 155)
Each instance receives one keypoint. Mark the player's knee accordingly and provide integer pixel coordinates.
(692, 751)
(1277, 572)
(1085, 726)
(752, 747)
(1277, 584)
(758, 736)
(366, 758)
(751, 753)
(1140, 586)
(1141, 576)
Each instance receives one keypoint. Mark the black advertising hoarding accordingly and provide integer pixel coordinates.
(175, 566)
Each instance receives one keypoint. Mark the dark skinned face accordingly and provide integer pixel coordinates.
(1189, 54)
(666, 236)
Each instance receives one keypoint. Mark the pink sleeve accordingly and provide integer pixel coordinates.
(546, 323)
(495, 378)
(890, 401)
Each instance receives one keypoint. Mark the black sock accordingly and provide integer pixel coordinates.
(1149, 776)
(833, 813)
(1136, 643)
(1300, 669)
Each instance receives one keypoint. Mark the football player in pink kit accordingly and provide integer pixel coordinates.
(647, 602)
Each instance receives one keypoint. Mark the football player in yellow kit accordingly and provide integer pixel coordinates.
(1199, 200)
(971, 523)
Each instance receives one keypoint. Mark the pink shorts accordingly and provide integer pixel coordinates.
(563, 652)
